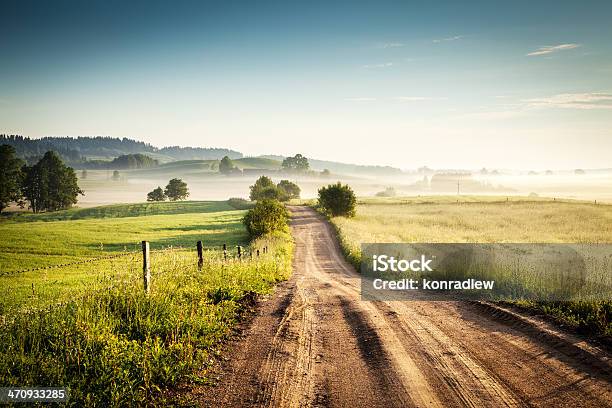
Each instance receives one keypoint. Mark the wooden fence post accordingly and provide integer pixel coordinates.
(258, 253)
(200, 255)
(146, 266)
(225, 252)
(239, 252)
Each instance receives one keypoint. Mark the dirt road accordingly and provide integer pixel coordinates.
(316, 343)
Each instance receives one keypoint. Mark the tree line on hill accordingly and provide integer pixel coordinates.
(295, 164)
(79, 151)
(47, 185)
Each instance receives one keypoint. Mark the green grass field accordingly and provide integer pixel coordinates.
(91, 327)
(487, 220)
(478, 219)
(204, 168)
(35, 240)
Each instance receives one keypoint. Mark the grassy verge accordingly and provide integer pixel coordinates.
(119, 346)
(89, 326)
(487, 220)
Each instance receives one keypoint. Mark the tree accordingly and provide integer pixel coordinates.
(387, 192)
(133, 161)
(50, 185)
(292, 190)
(297, 163)
(326, 173)
(226, 165)
(11, 176)
(338, 199)
(273, 193)
(267, 216)
(257, 189)
(116, 175)
(156, 195)
(176, 190)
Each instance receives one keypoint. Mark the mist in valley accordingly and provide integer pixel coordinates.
(132, 186)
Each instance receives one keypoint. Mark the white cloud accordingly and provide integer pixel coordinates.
(549, 49)
(383, 65)
(391, 45)
(417, 98)
(491, 115)
(453, 38)
(360, 99)
(590, 100)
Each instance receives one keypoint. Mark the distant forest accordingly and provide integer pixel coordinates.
(78, 151)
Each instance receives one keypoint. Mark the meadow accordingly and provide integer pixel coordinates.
(90, 326)
(39, 240)
(487, 220)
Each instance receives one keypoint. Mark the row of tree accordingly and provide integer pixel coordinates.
(264, 188)
(175, 190)
(48, 185)
(270, 215)
(295, 164)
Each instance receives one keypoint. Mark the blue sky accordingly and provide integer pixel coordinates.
(523, 84)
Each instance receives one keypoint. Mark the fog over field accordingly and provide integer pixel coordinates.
(134, 185)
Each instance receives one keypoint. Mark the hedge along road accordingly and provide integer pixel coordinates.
(316, 343)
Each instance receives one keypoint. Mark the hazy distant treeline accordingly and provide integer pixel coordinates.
(76, 150)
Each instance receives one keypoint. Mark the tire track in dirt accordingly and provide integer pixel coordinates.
(317, 343)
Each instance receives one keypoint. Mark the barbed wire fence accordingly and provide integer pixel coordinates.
(219, 256)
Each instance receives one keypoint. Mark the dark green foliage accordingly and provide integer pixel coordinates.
(591, 318)
(338, 200)
(292, 190)
(176, 190)
(133, 161)
(297, 163)
(11, 176)
(265, 189)
(225, 165)
(50, 185)
(260, 185)
(157, 195)
(75, 149)
(273, 193)
(116, 175)
(266, 217)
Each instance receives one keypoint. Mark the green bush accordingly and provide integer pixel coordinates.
(265, 189)
(290, 189)
(266, 217)
(260, 185)
(337, 200)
